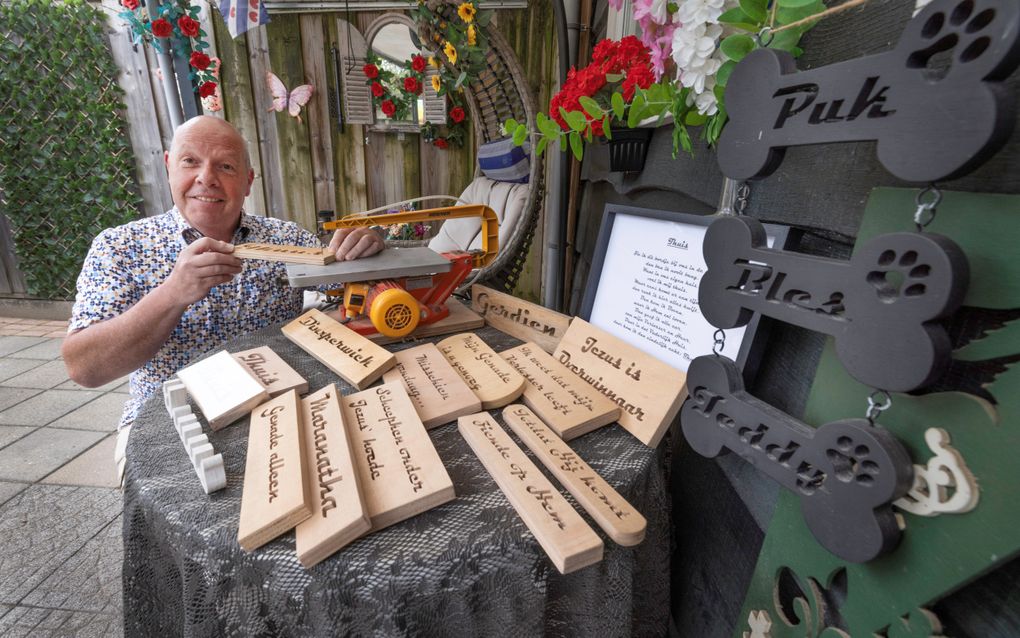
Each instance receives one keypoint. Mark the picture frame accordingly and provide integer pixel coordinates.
(642, 286)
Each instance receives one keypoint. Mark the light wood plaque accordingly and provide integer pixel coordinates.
(492, 379)
(275, 496)
(354, 358)
(648, 391)
(338, 510)
(570, 407)
(522, 319)
(399, 471)
(288, 254)
(438, 393)
(562, 533)
(461, 318)
(222, 388)
(615, 516)
(271, 371)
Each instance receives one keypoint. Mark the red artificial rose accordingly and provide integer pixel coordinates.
(412, 85)
(388, 108)
(377, 89)
(207, 89)
(603, 51)
(440, 143)
(200, 60)
(638, 75)
(161, 28)
(130, 5)
(188, 26)
(457, 114)
(371, 71)
(418, 63)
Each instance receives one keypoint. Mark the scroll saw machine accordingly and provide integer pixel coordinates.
(395, 291)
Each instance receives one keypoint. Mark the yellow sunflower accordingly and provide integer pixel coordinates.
(436, 83)
(466, 11)
(451, 52)
(472, 36)
(434, 61)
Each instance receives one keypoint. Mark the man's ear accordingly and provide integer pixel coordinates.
(251, 178)
(166, 160)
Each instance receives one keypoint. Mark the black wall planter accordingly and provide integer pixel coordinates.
(628, 148)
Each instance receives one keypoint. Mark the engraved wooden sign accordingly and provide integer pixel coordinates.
(356, 359)
(492, 379)
(338, 510)
(562, 533)
(222, 389)
(399, 471)
(271, 371)
(439, 394)
(275, 496)
(615, 516)
(648, 391)
(567, 404)
(524, 320)
(288, 254)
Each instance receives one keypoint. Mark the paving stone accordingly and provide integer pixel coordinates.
(101, 414)
(48, 349)
(8, 491)
(10, 344)
(43, 527)
(46, 376)
(109, 387)
(93, 467)
(90, 580)
(11, 433)
(37, 622)
(34, 456)
(10, 397)
(10, 367)
(46, 406)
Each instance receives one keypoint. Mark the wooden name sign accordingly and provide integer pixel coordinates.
(882, 307)
(222, 388)
(271, 371)
(568, 405)
(524, 320)
(928, 127)
(493, 380)
(354, 358)
(288, 254)
(437, 391)
(615, 516)
(648, 391)
(399, 471)
(338, 510)
(562, 533)
(276, 496)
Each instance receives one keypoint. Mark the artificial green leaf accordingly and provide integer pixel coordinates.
(547, 125)
(788, 15)
(576, 146)
(540, 147)
(757, 10)
(614, 77)
(636, 107)
(737, 18)
(575, 119)
(590, 106)
(736, 47)
(509, 126)
(520, 135)
(693, 118)
(460, 80)
(794, 3)
(619, 106)
(722, 76)
(785, 40)
(607, 128)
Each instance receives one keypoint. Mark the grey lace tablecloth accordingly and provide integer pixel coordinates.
(467, 568)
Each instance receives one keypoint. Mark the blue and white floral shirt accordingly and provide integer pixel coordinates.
(127, 262)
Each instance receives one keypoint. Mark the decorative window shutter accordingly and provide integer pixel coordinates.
(435, 104)
(357, 95)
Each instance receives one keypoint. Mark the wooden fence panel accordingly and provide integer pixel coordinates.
(268, 136)
(314, 53)
(349, 145)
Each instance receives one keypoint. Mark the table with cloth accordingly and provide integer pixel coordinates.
(469, 567)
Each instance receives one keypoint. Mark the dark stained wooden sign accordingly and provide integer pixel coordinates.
(930, 122)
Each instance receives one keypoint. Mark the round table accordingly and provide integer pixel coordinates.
(469, 567)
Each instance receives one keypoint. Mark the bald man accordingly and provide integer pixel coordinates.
(149, 302)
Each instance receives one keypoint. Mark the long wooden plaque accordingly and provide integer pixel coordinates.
(648, 391)
(288, 254)
(275, 496)
(271, 371)
(522, 319)
(570, 407)
(399, 471)
(439, 394)
(562, 533)
(615, 516)
(222, 389)
(356, 359)
(338, 510)
(492, 379)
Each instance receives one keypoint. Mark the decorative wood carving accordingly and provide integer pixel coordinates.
(519, 318)
(287, 254)
(438, 393)
(944, 485)
(353, 357)
(493, 380)
(271, 371)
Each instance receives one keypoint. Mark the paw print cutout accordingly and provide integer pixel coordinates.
(899, 276)
(851, 463)
(960, 40)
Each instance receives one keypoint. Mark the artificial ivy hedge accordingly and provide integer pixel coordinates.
(66, 167)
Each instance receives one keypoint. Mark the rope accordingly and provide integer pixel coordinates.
(819, 16)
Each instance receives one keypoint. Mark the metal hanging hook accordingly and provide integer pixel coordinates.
(875, 408)
(927, 201)
(719, 337)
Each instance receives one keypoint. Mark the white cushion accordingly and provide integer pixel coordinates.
(505, 198)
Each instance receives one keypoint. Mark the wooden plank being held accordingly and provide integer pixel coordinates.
(399, 471)
(275, 496)
(615, 516)
(271, 371)
(570, 407)
(222, 388)
(339, 514)
(356, 359)
(562, 533)
(438, 393)
(287, 254)
(519, 318)
(491, 378)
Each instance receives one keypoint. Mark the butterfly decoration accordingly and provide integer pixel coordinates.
(292, 101)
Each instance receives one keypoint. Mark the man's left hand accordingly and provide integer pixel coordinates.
(352, 243)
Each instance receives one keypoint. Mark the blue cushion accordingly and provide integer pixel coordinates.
(503, 162)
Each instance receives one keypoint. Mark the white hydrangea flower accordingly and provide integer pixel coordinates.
(695, 48)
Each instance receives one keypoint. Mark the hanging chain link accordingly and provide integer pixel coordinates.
(927, 200)
(877, 407)
(719, 343)
(743, 197)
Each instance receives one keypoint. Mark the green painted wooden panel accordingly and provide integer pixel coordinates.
(348, 147)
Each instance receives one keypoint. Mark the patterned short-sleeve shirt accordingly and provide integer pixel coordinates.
(127, 262)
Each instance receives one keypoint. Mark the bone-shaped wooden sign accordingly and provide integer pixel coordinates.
(846, 473)
(931, 123)
(882, 306)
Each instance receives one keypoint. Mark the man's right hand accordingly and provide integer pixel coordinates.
(205, 263)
